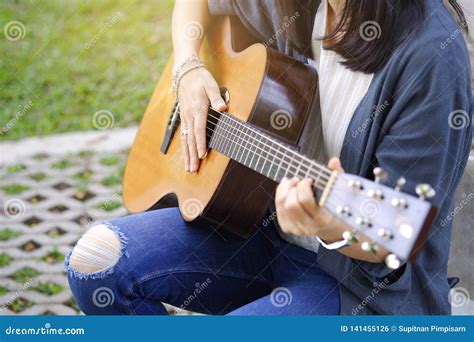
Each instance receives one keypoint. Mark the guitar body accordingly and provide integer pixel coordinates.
(262, 85)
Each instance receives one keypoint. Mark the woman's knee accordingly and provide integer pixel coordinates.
(97, 252)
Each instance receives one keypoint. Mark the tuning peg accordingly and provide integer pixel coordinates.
(385, 234)
(399, 203)
(405, 230)
(380, 174)
(364, 222)
(369, 247)
(392, 261)
(425, 191)
(376, 194)
(344, 210)
(355, 185)
(400, 183)
(350, 236)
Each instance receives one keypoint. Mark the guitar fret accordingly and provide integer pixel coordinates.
(234, 132)
(259, 152)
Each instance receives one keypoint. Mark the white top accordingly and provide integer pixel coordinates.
(341, 91)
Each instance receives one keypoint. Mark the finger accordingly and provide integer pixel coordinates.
(295, 212)
(200, 122)
(306, 197)
(215, 98)
(191, 141)
(335, 164)
(283, 189)
(184, 146)
(280, 196)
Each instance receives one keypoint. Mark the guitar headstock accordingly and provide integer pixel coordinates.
(388, 217)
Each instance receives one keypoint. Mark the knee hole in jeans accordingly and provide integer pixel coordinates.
(97, 250)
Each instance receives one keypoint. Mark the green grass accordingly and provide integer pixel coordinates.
(62, 164)
(25, 274)
(20, 304)
(110, 160)
(16, 168)
(78, 57)
(53, 257)
(5, 260)
(112, 180)
(109, 206)
(7, 234)
(15, 189)
(48, 288)
(3, 290)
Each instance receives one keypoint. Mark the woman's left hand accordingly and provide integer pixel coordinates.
(297, 210)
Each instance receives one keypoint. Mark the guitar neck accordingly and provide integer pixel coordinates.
(260, 152)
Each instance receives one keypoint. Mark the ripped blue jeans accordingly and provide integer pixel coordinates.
(162, 259)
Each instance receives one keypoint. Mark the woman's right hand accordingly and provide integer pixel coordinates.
(197, 90)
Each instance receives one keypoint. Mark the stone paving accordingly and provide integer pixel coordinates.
(49, 201)
(51, 190)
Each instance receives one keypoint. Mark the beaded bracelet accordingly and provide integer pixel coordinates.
(178, 80)
(177, 71)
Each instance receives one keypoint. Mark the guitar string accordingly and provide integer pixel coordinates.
(320, 178)
(261, 134)
(318, 168)
(318, 184)
(335, 185)
(332, 201)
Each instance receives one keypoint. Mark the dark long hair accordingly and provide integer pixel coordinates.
(368, 32)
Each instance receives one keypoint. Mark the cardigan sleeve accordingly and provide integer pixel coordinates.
(426, 138)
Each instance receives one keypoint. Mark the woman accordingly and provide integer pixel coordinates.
(395, 92)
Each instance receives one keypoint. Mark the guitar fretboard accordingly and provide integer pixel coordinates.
(260, 152)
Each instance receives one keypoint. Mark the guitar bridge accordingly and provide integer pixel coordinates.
(171, 126)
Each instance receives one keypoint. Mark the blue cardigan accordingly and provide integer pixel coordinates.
(413, 122)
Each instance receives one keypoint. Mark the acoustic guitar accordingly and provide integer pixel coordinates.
(253, 146)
